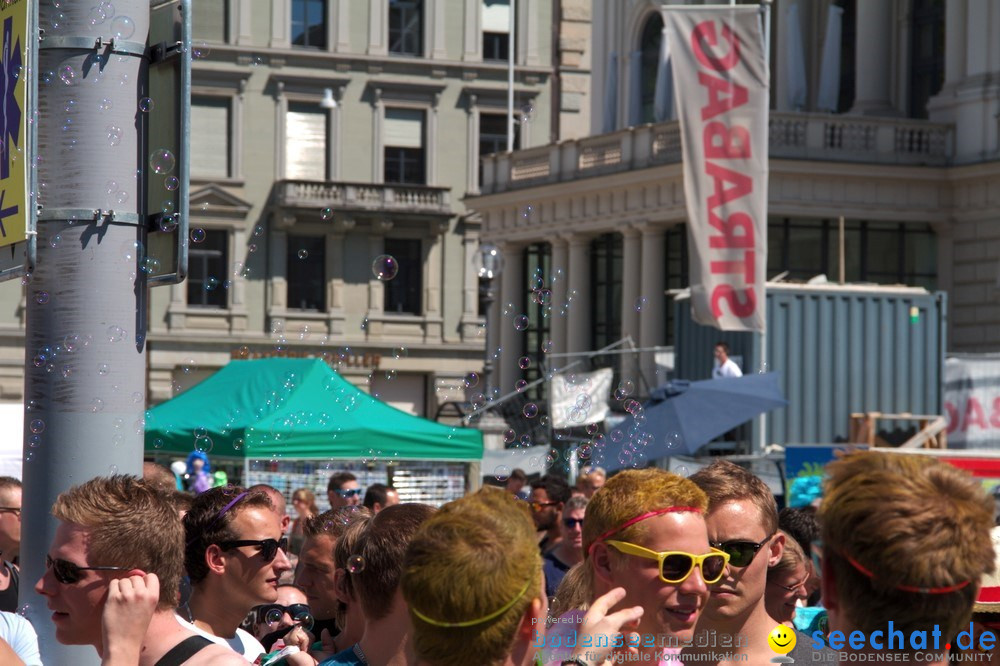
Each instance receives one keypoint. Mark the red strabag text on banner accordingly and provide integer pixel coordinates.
(721, 91)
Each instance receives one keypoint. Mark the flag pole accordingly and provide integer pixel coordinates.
(510, 77)
(765, 11)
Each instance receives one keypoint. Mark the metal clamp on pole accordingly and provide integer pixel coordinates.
(88, 214)
(111, 45)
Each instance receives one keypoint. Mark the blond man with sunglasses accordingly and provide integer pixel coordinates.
(743, 523)
(647, 559)
(112, 576)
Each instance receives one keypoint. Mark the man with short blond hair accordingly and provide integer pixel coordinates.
(118, 533)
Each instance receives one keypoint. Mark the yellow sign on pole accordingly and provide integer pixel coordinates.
(13, 121)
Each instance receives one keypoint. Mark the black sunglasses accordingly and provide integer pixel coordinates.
(68, 573)
(271, 613)
(268, 547)
(353, 492)
(741, 553)
(571, 523)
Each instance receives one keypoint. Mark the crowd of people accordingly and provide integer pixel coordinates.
(643, 566)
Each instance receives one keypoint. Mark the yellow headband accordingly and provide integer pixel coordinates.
(472, 623)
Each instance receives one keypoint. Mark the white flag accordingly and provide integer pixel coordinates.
(580, 398)
(721, 93)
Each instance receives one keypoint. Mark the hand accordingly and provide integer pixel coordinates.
(599, 622)
(298, 637)
(128, 609)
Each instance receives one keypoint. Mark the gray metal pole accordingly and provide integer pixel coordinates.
(85, 339)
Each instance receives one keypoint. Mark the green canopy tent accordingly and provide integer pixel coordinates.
(297, 409)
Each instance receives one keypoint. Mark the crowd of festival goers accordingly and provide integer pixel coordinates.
(640, 566)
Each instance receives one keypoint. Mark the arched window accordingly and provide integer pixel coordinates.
(649, 47)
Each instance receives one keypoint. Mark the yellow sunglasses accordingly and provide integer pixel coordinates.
(676, 565)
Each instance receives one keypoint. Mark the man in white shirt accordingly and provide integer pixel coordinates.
(724, 366)
(235, 556)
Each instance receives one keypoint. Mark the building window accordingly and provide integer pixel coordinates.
(405, 161)
(848, 47)
(305, 142)
(926, 53)
(402, 293)
(606, 289)
(493, 136)
(652, 37)
(496, 29)
(537, 306)
(677, 270)
(309, 23)
(406, 27)
(211, 124)
(880, 252)
(306, 271)
(207, 262)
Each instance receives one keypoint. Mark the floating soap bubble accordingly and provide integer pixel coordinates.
(471, 380)
(198, 235)
(37, 426)
(502, 473)
(326, 214)
(385, 267)
(640, 304)
(273, 615)
(520, 385)
(356, 564)
(146, 105)
(520, 322)
(162, 161)
(122, 27)
(524, 363)
(42, 297)
(509, 435)
(67, 75)
(303, 254)
(530, 410)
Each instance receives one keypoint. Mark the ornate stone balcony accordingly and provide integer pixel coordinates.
(806, 136)
(363, 197)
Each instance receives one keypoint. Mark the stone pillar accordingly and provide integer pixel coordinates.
(278, 249)
(470, 322)
(632, 269)
(954, 41)
(511, 340)
(560, 287)
(653, 317)
(473, 31)
(378, 137)
(335, 279)
(378, 28)
(432, 285)
(578, 334)
(874, 58)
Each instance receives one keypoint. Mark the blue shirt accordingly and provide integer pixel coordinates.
(344, 658)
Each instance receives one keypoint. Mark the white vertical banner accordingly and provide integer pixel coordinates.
(721, 92)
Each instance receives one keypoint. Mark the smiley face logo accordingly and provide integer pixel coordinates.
(781, 639)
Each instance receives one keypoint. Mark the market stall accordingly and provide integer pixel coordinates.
(292, 422)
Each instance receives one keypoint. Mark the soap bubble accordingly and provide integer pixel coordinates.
(42, 297)
(502, 472)
(326, 214)
(122, 27)
(471, 380)
(520, 385)
(67, 75)
(356, 564)
(105, 104)
(303, 254)
(524, 362)
(385, 267)
(273, 616)
(162, 161)
(37, 426)
(114, 134)
(146, 105)
(197, 235)
(509, 435)
(530, 410)
(640, 304)
(520, 322)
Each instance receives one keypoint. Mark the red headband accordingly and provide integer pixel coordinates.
(641, 517)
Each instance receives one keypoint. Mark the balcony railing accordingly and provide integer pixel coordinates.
(821, 137)
(366, 197)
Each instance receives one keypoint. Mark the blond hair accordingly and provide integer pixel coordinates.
(625, 496)
(910, 521)
(466, 562)
(130, 524)
(724, 481)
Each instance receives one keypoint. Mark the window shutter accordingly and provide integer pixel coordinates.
(496, 16)
(305, 145)
(404, 128)
(210, 138)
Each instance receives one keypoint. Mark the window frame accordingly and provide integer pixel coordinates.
(198, 250)
(291, 103)
(317, 254)
(424, 157)
(413, 282)
(418, 30)
(324, 25)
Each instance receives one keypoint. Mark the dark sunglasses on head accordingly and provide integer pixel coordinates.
(353, 492)
(68, 573)
(271, 613)
(741, 553)
(268, 547)
(571, 523)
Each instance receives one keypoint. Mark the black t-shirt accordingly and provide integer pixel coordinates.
(8, 597)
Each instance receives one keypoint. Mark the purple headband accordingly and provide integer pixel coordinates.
(222, 512)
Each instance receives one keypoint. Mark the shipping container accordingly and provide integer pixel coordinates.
(839, 349)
